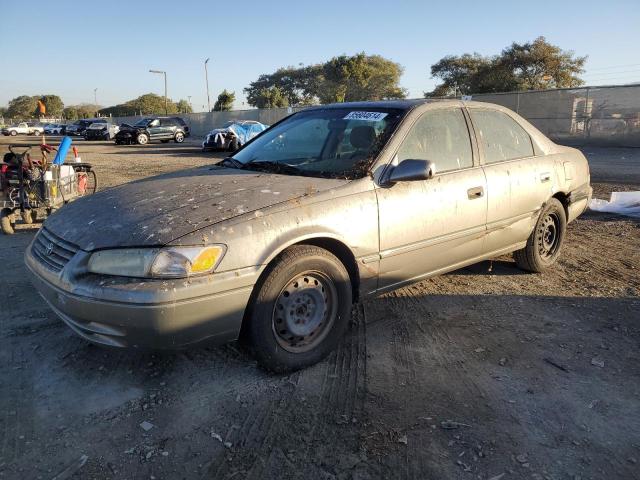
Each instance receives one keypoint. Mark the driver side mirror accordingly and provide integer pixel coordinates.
(412, 170)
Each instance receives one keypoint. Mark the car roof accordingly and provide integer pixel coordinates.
(408, 104)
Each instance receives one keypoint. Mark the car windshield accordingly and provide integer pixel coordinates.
(332, 142)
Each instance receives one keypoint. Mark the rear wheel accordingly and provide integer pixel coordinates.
(13, 133)
(142, 139)
(301, 309)
(545, 242)
(7, 221)
(36, 133)
(179, 137)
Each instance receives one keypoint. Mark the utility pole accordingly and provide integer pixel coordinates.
(189, 100)
(206, 77)
(95, 97)
(166, 109)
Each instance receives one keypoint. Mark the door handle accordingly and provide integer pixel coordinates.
(545, 177)
(475, 192)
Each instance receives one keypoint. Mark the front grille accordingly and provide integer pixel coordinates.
(53, 252)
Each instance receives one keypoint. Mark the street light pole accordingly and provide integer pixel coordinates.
(206, 76)
(95, 97)
(166, 109)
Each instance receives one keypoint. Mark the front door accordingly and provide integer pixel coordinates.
(155, 129)
(428, 226)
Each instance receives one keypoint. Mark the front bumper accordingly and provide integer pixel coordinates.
(145, 314)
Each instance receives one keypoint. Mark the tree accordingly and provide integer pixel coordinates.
(23, 106)
(343, 78)
(360, 77)
(53, 104)
(271, 97)
(528, 66)
(147, 104)
(184, 106)
(225, 101)
(70, 113)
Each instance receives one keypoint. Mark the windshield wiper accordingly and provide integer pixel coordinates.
(275, 167)
(231, 163)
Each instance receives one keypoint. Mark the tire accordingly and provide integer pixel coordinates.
(299, 310)
(27, 216)
(545, 242)
(179, 137)
(36, 133)
(142, 139)
(233, 145)
(7, 221)
(13, 133)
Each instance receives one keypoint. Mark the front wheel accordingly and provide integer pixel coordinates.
(545, 242)
(7, 221)
(300, 309)
(142, 139)
(179, 138)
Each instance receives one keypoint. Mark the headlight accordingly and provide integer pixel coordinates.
(168, 262)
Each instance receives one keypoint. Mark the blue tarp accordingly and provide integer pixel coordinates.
(244, 130)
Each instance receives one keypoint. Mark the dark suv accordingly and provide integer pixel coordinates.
(147, 129)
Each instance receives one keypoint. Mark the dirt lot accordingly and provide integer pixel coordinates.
(485, 373)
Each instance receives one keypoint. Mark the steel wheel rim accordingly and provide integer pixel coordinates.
(304, 312)
(142, 139)
(179, 138)
(549, 236)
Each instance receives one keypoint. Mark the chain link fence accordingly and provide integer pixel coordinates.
(579, 116)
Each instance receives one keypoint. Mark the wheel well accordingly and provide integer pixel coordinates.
(339, 249)
(564, 200)
(344, 254)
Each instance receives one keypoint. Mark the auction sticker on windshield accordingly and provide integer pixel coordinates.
(367, 116)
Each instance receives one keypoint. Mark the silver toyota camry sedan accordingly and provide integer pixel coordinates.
(328, 206)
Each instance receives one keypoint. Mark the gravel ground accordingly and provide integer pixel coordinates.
(484, 373)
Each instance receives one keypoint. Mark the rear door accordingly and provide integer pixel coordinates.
(518, 180)
(432, 225)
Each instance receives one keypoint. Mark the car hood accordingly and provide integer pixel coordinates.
(158, 210)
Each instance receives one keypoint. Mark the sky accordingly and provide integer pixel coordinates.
(70, 48)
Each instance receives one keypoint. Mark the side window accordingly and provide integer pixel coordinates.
(501, 136)
(441, 136)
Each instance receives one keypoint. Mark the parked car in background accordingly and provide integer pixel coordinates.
(333, 204)
(23, 128)
(78, 127)
(151, 129)
(54, 128)
(232, 135)
(103, 130)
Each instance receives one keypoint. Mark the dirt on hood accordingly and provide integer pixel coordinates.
(160, 209)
